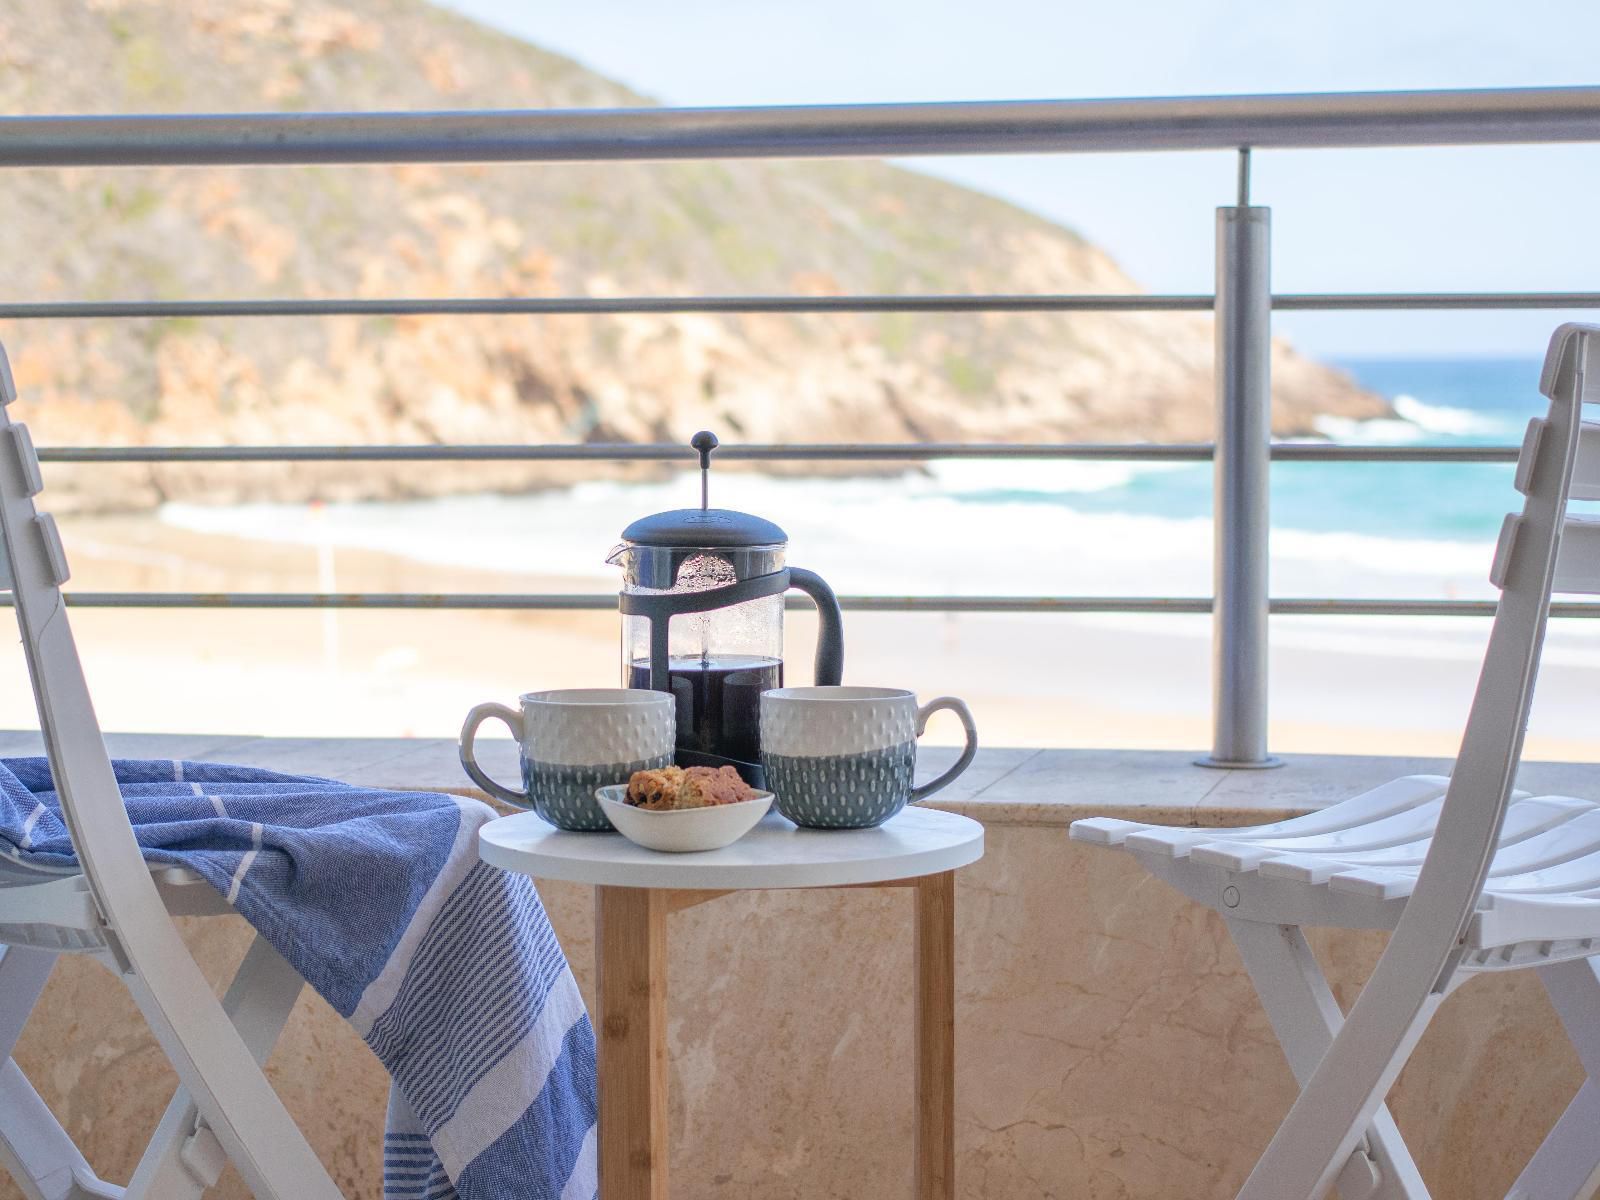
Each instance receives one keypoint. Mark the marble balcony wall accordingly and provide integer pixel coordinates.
(1109, 1043)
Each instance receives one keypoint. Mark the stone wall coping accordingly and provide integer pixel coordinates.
(1004, 786)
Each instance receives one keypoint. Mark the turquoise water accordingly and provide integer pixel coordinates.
(1445, 402)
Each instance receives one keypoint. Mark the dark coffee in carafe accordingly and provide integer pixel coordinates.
(719, 703)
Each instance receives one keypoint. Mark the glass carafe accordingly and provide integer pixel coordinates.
(718, 660)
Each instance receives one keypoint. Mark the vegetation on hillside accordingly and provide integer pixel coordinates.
(565, 230)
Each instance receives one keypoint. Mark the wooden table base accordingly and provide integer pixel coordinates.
(935, 1033)
(631, 987)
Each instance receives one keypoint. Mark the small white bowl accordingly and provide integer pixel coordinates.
(682, 829)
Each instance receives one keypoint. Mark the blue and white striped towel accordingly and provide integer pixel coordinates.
(448, 968)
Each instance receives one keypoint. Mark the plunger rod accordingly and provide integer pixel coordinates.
(705, 442)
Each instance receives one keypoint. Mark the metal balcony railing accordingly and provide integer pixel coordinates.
(1242, 302)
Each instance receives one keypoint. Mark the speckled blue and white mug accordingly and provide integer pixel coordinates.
(573, 741)
(843, 757)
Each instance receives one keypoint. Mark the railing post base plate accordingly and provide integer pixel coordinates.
(1220, 764)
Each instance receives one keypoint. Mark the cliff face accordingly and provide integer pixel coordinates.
(569, 230)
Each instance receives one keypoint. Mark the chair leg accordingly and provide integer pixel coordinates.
(217, 1068)
(23, 972)
(33, 1146)
(37, 1151)
(1317, 1143)
(1567, 1164)
(1305, 1016)
(184, 1157)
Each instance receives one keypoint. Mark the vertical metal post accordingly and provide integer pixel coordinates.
(1240, 507)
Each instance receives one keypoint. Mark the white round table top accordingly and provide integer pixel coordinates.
(775, 854)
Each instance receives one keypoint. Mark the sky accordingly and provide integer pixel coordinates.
(1473, 219)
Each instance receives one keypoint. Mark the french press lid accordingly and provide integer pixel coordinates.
(716, 528)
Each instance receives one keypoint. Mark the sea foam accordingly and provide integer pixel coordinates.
(1414, 421)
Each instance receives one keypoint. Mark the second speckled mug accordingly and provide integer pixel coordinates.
(843, 757)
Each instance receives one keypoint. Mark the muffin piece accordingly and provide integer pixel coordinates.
(704, 786)
(655, 790)
(670, 788)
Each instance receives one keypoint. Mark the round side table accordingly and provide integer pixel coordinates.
(635, 889)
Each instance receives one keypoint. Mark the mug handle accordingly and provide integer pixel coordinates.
(958, 707)
(469, 760)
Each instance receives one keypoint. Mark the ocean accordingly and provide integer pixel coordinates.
(1058, 528)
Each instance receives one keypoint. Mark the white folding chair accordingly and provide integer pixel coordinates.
(1469, 875)
(118, 909)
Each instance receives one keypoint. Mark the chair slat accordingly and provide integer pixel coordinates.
(1526, 820)
(1528, 457)
(1586, 473)
(8, 386)
(1573, 875)
(1557, 379)
(27, 459)
(1578, 568)
(1238, 857)
(1578, 565)
(55, 556)
(1373, 883)
(1504, 547)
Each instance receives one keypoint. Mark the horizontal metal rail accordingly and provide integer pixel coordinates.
(1357, 301)
(74, 310)
(1327, 120)
(796, 452)
(607, 602)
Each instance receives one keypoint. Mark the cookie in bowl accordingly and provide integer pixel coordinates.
(681, 809)
(667, 789)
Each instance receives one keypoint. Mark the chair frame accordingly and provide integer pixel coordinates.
(224, 1108)
(1338, 1130)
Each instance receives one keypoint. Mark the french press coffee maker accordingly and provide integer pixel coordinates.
(702, 618)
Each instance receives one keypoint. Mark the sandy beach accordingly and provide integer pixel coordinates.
(1350, 687)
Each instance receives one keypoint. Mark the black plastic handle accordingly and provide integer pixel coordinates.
(830, 628)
